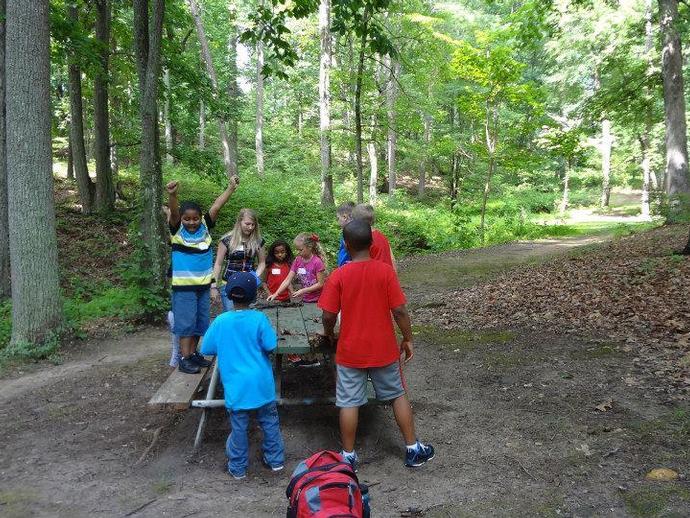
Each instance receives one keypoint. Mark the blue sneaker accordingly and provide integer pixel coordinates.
(352, 458)
(420, 455)
(238, 476)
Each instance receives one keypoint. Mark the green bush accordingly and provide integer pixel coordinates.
(5, 323)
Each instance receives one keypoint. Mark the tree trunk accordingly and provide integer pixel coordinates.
(233, 92)
(677, 182)
(211, 71)
(491, 136)
(391, 94)
(374, 173)
(325, 102)
(645, 165)
(5, 284)
(36, 303)
(259, 132)
(358, 113)
(70, 160)
(423, 164)
(566, 191)
(166, 118)
(202, 125)
(606, 144)
(84, 184)
(147, 39)
(105, 188)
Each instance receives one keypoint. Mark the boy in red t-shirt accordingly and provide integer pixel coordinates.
(380, 248)
(366, 292)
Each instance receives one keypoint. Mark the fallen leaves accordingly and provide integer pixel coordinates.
(662, 474)
(606, 405)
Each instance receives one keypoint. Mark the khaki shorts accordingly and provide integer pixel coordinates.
(351, 384)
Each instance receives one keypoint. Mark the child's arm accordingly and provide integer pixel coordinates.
(395, 264)
(209, 344)
(320, 280)
(283, 286)
(329, 320)
(402, 318)
(173, 205)
(217, 267)
(223, 198)
(262, 262)
(267, 336)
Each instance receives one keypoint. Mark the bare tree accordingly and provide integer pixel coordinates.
(233, 90)
(605, 147)
(391, 94)
(5, 284)
(259, 131)
(105, 187)
(85, 186)
(166, 118)
(148, 29)
(676, 178)
(202, 125)
(325, 102)
(36, 306)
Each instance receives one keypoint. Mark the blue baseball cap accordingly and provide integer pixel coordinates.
(241, 287)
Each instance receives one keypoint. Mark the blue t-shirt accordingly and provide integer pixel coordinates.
(343, 256)
(242, 340)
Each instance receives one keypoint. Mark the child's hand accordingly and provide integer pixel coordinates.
(406, 349)
(271, 298)
(172, 187)
(234, 182)
(215, 295)
(297, 294)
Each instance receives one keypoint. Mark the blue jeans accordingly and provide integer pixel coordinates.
(237, 445)
(227, 303)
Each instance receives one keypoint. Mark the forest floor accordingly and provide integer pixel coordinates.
(548, 385)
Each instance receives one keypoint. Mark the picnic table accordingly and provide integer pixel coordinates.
(298, 327)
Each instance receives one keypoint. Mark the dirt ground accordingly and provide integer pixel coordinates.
(512, 414)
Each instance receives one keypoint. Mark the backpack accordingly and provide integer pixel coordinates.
(325, 485)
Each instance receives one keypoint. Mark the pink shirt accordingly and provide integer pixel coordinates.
(306, 273)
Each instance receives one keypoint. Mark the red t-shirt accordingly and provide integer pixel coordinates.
(364, 292)
(275, 275)
(380, 248)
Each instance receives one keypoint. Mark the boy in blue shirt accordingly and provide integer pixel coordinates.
(242, 340)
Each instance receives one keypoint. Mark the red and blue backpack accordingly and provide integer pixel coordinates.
(325, 485)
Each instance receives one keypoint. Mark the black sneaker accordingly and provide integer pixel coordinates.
(188, 366)
(420, 455)
(197, 358)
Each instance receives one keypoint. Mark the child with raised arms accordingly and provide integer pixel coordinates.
(192, 271)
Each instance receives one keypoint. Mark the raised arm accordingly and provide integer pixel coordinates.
(402, 318)
(173, 204)
(223, 198)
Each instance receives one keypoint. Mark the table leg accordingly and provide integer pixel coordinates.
(210, 394)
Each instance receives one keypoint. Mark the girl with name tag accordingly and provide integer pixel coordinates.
(308, 267)
(242, 250)
(278, 263)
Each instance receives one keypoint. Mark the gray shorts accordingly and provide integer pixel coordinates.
(351, 384)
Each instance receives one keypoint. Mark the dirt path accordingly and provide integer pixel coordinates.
(512, 414)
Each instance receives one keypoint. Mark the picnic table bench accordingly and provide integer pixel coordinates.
(298, 328)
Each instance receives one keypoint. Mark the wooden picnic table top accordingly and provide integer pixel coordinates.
(294, 324)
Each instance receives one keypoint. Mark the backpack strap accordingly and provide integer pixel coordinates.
(319, 471)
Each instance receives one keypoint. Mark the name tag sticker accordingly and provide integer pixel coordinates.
(302, 271)
(275, 271)
(203, 246)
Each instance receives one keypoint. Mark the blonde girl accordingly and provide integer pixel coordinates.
(240, 250)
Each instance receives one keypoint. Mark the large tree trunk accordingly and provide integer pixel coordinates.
(70, 160)
(677, 182)
(84, 184)
(105, 188)
(230, 169)
(391, 94)
(646, 168)
(148, 31)
(5, 284)
(424, 163)
(491, 136)
(36, 303)
(233, 92)
(259, 131)
(606, 144)
(325, 102)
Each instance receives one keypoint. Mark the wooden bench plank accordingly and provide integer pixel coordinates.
(178, 390)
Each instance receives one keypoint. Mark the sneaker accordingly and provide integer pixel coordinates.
(237, 476)
(420, 455)
(352, 458)
(276, 467)
(294, 358)
(308, 363)
(188, 366)
(197, 358)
